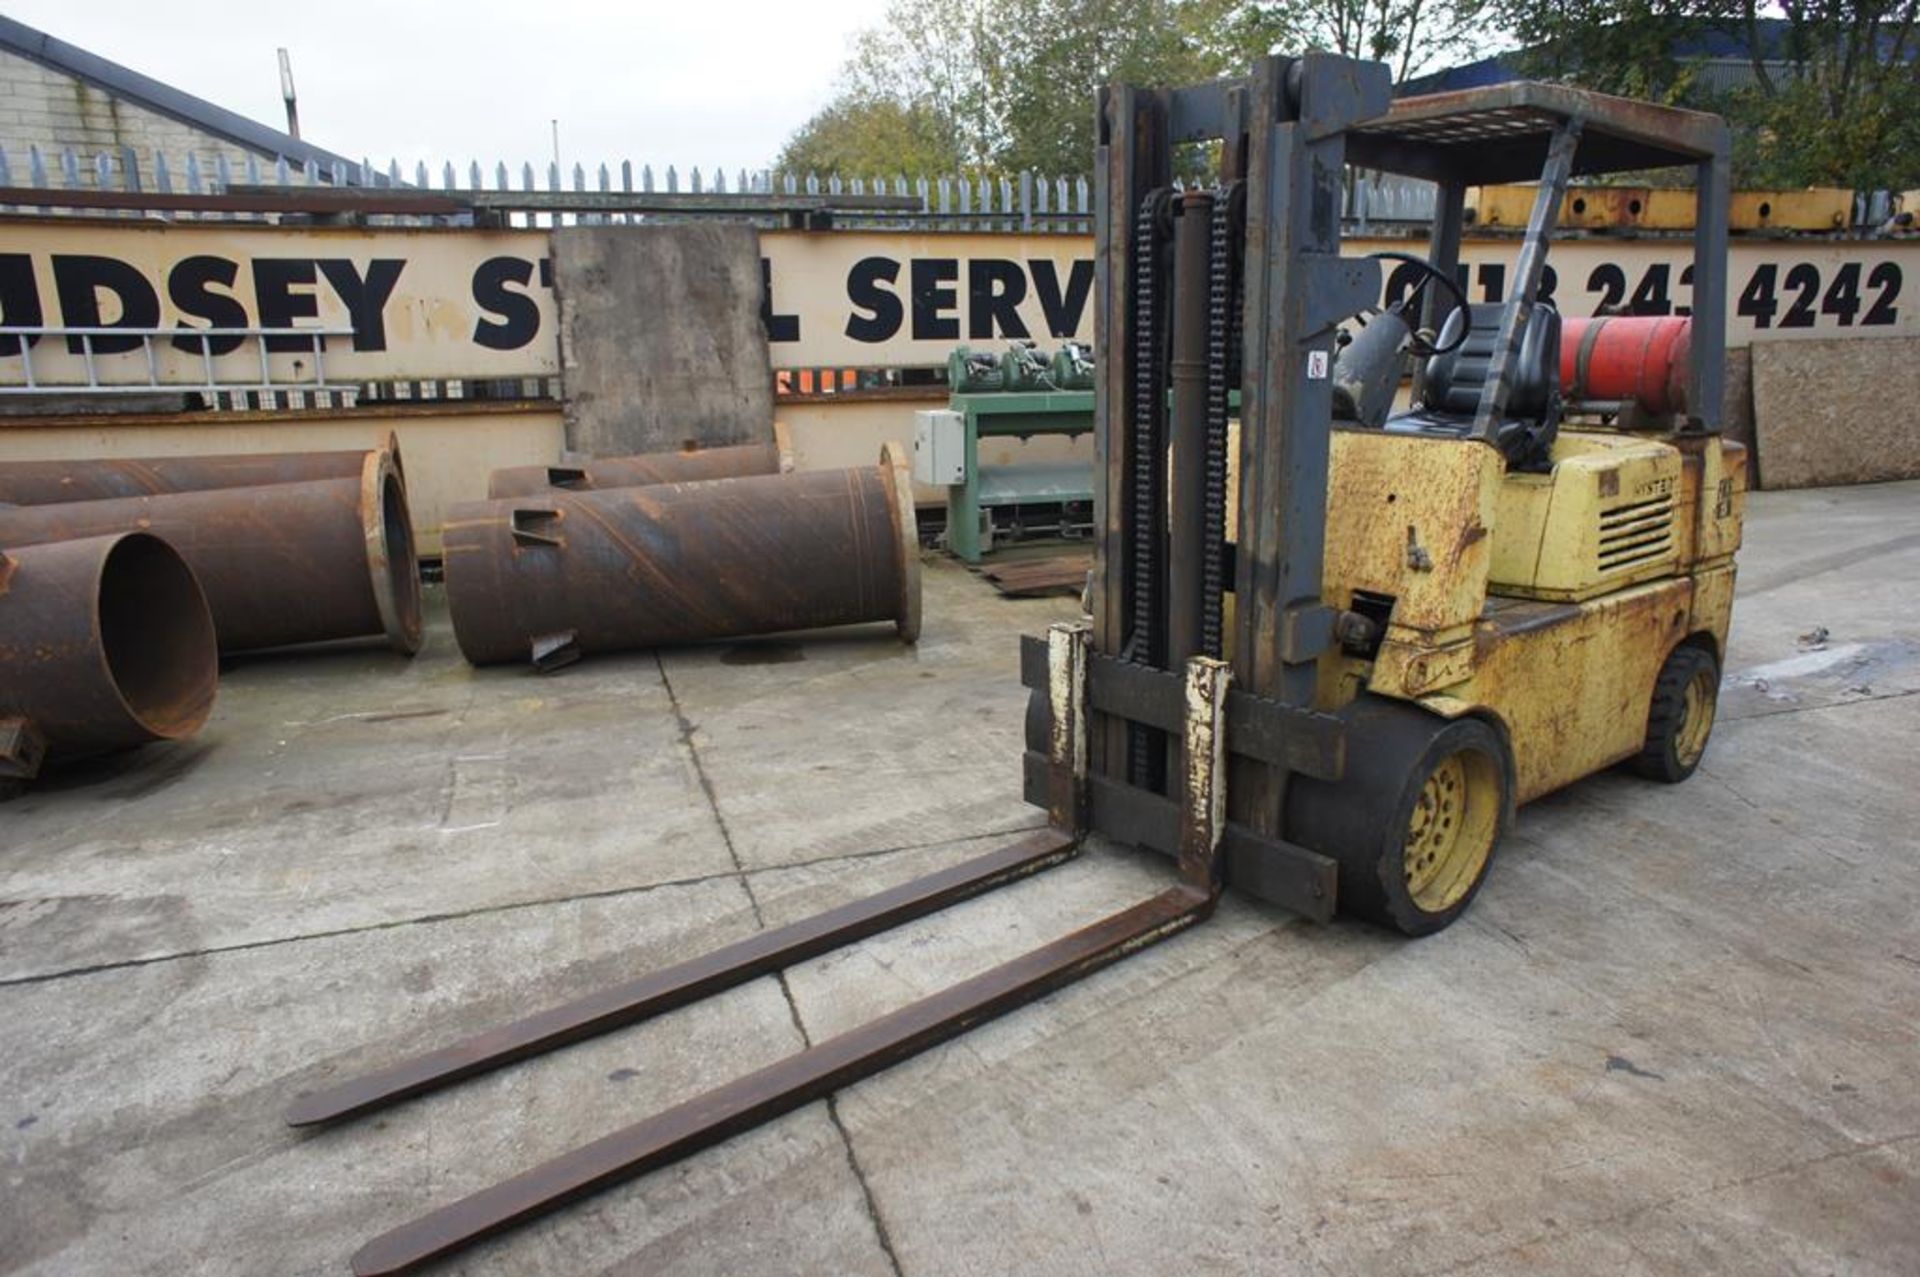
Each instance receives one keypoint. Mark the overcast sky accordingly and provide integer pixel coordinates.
(655, 81)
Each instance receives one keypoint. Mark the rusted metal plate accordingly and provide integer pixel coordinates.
(690, 466)
(105, 643)
(674, 563)
(109, 478)
(781, 1087)
(281, 564)
(684, 982)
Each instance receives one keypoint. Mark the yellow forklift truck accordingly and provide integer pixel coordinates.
(1328, 657)
(1524, 578)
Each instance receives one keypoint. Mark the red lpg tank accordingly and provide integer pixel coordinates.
(1642, 359)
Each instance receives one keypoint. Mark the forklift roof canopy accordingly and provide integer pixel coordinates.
(1500, 134)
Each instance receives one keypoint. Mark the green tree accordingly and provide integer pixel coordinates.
(1833, 82)
(1411, 36)
(872, 137)
(1013, 81)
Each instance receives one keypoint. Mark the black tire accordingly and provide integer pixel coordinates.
(1371, 821)
(1676, 736)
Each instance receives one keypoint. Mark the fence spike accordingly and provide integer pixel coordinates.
(194, 185)
(102, 170)
(311, 171)
(673, 181)
(693, 179)
(162, 179)
(36, 164)
(70, 168)
(393, 171)
(338, 172)
(742, 188)
(626, 176)
(6, 169)
(526, 176)
(719, 181)
(646, 178)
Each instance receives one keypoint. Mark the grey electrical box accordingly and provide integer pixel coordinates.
(939, 448)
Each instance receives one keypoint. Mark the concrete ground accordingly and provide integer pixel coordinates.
(1679, 1032)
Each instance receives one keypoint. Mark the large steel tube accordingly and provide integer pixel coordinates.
(558, 576)
(282, 564)
(690, 466)
(112, 478)
(105, 643)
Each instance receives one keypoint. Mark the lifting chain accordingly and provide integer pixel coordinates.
(1225, 309)
(1147, 462)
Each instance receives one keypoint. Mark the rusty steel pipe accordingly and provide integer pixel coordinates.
(691, 466)
(113, 478)
(562, 575)
(281, 564)
(105, 643)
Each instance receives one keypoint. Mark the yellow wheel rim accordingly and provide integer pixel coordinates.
(1450, 834)
(1696, 718)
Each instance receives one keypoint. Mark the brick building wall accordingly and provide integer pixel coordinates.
(40, 106)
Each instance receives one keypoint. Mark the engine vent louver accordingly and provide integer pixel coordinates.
(1635, 534)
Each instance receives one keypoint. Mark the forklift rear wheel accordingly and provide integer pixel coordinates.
(1685, 699)
(1414, 823)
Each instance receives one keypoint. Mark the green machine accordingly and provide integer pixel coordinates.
(1018, 393)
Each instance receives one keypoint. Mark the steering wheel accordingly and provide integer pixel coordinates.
(1417, 345)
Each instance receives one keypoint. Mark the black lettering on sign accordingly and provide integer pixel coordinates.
(1757, 300)
(1493, 281)
(1843, 295)
(1805, 277)
(1063, 308)
(995, 289)
(189, 285)
(934, 297)
(1611, 283)
(1549, 283)
(1686, 281)
(19, 299)
(519, 314)
(1650, 298)
(274, 279)
(779, 327)
(78, 280)
(365, 297)
(882, 305)
(1886, 278)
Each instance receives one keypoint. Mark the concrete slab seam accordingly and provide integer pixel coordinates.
(786, 990)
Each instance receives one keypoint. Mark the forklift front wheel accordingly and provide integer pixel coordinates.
(1686, 697)
(1414, 822)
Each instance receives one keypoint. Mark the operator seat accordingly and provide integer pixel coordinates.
(1451, 393)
